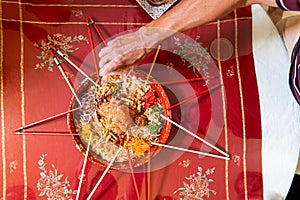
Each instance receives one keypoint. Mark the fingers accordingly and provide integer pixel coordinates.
(110, 56)
(123, 51)
(108, 67)
(127, 60)
(107, 57)
(113, 59)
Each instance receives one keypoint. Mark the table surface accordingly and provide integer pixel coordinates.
(238, 117)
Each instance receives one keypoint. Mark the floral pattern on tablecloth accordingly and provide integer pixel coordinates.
(198, 186)
(237, 160)
(60, 41)
(13, 166)
(51, 183)
(185, 163)
(193, 52)
(78, 13)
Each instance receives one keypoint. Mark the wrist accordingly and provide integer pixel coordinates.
(151, 37)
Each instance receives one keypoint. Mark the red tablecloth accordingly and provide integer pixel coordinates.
(41, 167)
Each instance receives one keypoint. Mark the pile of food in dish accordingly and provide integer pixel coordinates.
(122, 112)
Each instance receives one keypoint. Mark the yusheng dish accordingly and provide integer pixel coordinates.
(122, 113)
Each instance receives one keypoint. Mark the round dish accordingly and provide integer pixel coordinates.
(122, 113)
(157, 2)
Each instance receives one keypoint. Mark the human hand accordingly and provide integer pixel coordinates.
(130, 49)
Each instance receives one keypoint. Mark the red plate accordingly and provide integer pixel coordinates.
(82, 145)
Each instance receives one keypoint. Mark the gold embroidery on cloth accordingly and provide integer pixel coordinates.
(13, 166)
(224, 110)
(2, 111)
(242, 105)
(185, 163)
(23, 98)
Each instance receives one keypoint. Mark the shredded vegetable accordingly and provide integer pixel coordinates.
(123, 112)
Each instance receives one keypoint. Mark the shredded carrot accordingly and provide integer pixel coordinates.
(138, 145)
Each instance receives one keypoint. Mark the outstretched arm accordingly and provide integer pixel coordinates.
(130, 49)
(189, 14)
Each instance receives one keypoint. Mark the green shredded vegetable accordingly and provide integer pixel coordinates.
(155, 127)
(155, 109)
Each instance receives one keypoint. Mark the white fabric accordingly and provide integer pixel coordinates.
(280, 114)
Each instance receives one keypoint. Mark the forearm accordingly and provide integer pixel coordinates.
(191, 13)
(188, 14)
